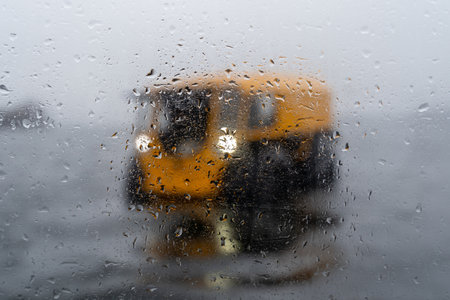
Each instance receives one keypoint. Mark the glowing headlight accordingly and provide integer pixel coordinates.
(142, 143)
(227, 143)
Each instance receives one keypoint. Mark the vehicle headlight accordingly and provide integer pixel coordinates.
(142, 142)
(227, 143)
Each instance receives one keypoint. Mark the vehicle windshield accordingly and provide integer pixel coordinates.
(183, 118)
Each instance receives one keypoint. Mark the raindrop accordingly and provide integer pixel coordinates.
(382, 162)
(2, 175)
(38, 114)
(423, 107)
(179, 231)
(364, 30)
(48, 42)
(418, 208)
(366, 53)
(94, 23)
(4, 90)
(26, 123)
(44, 209)
(223, 217)
(150, 259)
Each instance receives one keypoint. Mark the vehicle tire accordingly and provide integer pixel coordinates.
(323, 170)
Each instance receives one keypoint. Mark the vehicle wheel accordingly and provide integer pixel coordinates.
(258, 190)
(324, 170)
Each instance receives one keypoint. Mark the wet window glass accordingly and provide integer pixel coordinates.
(208, 150)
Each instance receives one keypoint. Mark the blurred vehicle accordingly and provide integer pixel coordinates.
(243, 146)
(25, 115)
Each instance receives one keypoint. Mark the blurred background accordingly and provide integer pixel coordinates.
(70, 78)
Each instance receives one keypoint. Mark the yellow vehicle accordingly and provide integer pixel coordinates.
(245, 143)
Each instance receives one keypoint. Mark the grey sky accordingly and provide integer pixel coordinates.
(81, 59)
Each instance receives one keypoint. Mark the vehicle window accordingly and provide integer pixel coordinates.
(262, 110)
(229, 100)
(183, 117)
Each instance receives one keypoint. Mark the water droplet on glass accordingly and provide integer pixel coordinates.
(418, 208)
(56, 294)
(423, 107)
(179, 231)
(2, 175)
(38, 114)
(4, 90)
(26, 123)
(366, 53)
(48, 42)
